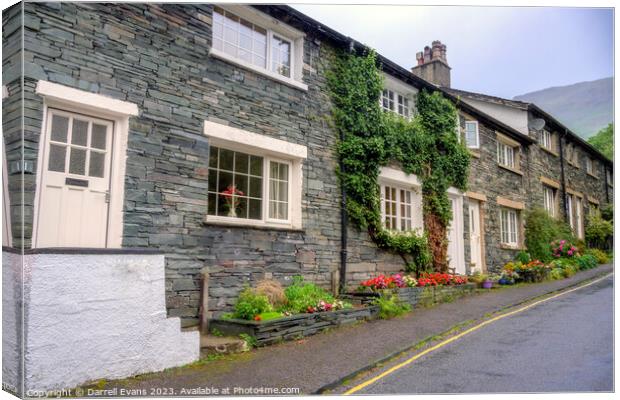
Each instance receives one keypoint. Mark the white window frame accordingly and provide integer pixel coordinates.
(398, 201)
(506, 155)
(579, 216)
(570, 210)
(589, 165)
(273, 27)
(398, 88)
(549, 199)
(103, 107)
(395, 178)
(477, 131)
(271, 149)
(546, 139)
(509, 215)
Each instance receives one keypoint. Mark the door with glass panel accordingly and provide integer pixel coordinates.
(74, 188)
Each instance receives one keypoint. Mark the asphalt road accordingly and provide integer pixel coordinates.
(563, 345)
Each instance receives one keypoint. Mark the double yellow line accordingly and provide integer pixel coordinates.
(466, 332)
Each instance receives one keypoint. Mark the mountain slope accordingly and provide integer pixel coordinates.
(585, 107)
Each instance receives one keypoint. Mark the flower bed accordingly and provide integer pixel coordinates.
(291, 327)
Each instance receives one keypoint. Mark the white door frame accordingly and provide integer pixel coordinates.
(478, 220)
(98, 106)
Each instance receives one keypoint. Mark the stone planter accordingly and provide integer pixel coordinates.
(418, 296)
(293, 327)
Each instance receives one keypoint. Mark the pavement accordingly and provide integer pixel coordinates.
(320, 362)
(562, 345)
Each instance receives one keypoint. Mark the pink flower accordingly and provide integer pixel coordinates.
(570, 252)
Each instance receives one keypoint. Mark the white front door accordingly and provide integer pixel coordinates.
(75, 182)
(455, 236)
(475, 235)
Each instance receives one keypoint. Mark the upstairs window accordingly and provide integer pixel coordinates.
(610, 177)
(395, 102)
(472, 138)
(589, 166)
(506, 155)
(254, 41)
(545, 140)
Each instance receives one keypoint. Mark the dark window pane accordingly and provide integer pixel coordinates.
(60, 127)
(212, 180)
(212, 204)
(77, 163)
(241, 183)
(79, 132)
(99, 137)
(256, 166)
(57, 158)
(226, 159)
(256, 187)
(96, 165)
(255, 209)
(213, 157)
(226, 179)
(242, 207)
(241, 162)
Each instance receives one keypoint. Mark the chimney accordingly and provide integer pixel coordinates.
(433, 64)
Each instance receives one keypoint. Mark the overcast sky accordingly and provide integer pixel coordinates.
(503, 51)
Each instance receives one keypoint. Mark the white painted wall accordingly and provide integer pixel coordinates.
(12, 327)
(511, 116)
(92, 316)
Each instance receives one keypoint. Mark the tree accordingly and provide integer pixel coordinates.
(604, 141)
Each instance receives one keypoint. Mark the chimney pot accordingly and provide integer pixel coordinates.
(420, 57)
(437, 73)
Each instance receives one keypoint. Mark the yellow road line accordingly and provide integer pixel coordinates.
(466, 332)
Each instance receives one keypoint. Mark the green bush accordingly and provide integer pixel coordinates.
(587, 261)
(598, 231)
(523, 257)
(301, 295)
(556, 273)
(607, 212)
(390, 307)
(600, 255)
(540, 230)
(249, 304)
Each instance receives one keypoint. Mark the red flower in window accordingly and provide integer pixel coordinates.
(230, 196)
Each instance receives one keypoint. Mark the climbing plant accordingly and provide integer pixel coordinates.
(426, 146)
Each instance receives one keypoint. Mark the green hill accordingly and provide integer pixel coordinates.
(585, 107)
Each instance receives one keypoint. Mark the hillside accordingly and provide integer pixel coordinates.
(585, 107)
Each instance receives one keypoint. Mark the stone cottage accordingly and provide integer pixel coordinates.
(124, 123)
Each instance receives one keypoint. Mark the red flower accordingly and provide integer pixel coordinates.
(257, 318)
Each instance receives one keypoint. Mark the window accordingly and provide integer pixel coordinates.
(395, 102)
(241, 183)
(589, 166)
(593, 209)
(579, 216)
(255, 42)
(396, 208)
(610, 177)
(545, 140)
(509, 226)
(506, 155)
(471, 134)
(570, 211)
(549, 194)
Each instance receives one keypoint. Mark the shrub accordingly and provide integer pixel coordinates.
(540, 230)
(607, 212)
(523, 257)
(556, 273)
(301, 296)
(563, 248)
(587, 261)
(598, 231)
(390, 307)
(600, 255)
(568, 265)
(250, 304)
(273, 290)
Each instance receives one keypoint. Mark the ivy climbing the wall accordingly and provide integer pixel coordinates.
(426, 146)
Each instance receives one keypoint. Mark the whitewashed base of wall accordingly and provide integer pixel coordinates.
(95, 316)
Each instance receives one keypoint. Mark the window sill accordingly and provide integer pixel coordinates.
(592, 175)
(515, 247)
(516, 171)
(249, 224)
(474, 153)
(287, 81)
(553, 153)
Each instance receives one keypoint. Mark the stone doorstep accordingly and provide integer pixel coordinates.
(210, 344)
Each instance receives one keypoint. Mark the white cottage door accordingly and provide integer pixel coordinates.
(475, 236)
(75, 182)
(455, 236)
